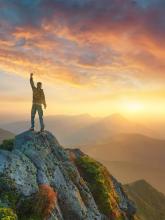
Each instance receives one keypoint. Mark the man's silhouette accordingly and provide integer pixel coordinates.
(38, 100)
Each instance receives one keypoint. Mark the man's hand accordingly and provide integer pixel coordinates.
(31, 74)
(45, 106)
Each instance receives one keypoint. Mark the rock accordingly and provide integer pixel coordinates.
(38, 159)
(19, 169)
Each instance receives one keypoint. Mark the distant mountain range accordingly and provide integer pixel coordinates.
(5, 135)
(108, 127)
(84, 129)
(150, 203)
(62, 126)
(128, 149)
(131, 157)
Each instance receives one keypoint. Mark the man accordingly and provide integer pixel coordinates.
(38, 100)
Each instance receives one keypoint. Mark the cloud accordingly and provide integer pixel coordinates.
(84, 42)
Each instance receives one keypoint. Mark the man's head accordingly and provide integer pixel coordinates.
(39, 85)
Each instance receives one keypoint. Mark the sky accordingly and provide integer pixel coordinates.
(96, 57)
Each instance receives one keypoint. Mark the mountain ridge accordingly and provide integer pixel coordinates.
(144, 155)
(4, 134)
(81, 129)
(150, 202)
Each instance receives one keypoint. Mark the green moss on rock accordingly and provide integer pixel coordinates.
(101, 186)
(7, 145)
(6, 183)
(94, 175)
(26, 211)
(7, 214)
(10, 198)
(8, 193)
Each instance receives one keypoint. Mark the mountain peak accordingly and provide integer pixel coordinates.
(116, 117)
(40, 168)
(141, 182)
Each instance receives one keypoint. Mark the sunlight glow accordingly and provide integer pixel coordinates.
(132, 106)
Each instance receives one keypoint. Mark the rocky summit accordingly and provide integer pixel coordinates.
(39, 179)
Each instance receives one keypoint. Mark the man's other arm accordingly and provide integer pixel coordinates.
(44, 101)
(31, 81)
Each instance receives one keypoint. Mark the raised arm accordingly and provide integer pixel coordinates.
(31, 81)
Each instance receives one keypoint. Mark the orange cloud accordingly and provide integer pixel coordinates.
(87, 45)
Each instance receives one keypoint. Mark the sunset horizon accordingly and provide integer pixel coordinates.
(114, 64)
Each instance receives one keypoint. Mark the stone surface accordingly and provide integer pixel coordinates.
(38, 158)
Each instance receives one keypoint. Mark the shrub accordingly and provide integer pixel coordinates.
(7, 214)
(38, 206)
(45, 200)
(7, 145)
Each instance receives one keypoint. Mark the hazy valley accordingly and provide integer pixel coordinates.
(129, 150)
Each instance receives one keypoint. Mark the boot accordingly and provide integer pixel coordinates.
(31, 129)
(42, 129)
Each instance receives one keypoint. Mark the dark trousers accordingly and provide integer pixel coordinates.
(37, 108)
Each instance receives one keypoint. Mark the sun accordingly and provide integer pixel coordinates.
(132, 106)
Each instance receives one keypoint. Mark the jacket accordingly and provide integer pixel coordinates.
(38, 94)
